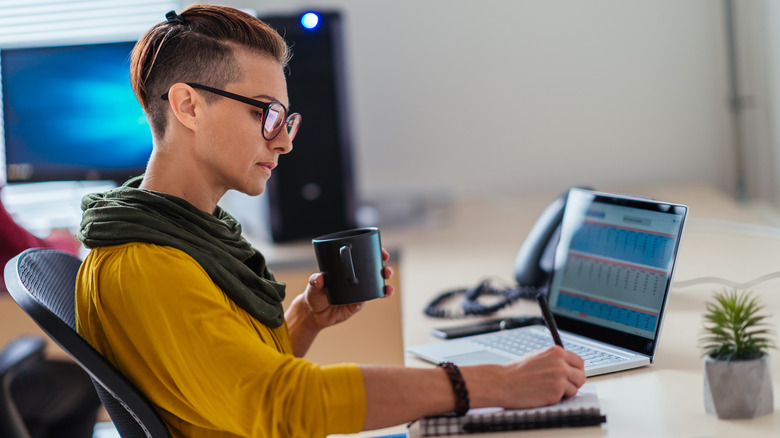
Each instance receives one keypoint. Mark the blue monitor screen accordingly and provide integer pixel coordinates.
(70, 114)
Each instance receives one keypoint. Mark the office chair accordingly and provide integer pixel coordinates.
(43, 283)
(16, 355)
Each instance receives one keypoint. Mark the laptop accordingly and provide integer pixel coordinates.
(608, 289)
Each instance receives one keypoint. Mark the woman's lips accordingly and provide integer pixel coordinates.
(269, 166)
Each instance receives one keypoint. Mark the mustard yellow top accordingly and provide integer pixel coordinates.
(210, 369)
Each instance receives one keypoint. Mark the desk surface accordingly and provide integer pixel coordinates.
(480, 239)
(469, 241)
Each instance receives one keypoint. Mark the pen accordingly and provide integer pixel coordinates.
(548, 318)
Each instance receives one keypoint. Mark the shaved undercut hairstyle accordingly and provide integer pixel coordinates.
(199, 46)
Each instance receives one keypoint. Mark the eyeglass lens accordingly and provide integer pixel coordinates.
(276, 118)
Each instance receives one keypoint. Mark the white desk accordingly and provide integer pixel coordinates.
(722, 239)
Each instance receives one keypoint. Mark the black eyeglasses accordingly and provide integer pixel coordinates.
(274, 113)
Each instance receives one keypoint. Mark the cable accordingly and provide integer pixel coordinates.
(725, 282)
(735, 227)
(471, 303)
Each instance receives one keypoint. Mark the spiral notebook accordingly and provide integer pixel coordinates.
(581, 410)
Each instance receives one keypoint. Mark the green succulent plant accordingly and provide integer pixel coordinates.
(734, 329)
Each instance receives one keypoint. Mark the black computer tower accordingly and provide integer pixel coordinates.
(312, 191)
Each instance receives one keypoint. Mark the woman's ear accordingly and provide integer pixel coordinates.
(185, 104)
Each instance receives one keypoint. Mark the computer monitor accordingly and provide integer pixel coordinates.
(69, 114)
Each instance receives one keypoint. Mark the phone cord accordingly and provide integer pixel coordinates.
(471, 305)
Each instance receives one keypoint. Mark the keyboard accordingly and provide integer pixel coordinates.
(522, 343)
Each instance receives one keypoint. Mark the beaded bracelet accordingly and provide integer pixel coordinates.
(458, 386)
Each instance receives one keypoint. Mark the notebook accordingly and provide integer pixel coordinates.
(608, 290)
(581, 410)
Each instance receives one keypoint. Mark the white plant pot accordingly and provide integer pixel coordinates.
(738, 388)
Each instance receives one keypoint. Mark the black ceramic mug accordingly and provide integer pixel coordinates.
(351, 261)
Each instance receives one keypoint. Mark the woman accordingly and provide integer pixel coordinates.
(187, 309)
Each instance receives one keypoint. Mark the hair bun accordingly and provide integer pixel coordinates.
(173, 17)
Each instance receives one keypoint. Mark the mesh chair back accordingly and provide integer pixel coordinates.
(42, 282)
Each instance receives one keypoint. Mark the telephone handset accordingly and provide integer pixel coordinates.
(532, 268)
(534, 261)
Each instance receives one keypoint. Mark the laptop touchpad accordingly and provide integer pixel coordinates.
(478, 358)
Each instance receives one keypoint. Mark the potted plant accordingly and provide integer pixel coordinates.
(736, 340)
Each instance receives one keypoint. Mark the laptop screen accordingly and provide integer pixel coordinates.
(613, 267)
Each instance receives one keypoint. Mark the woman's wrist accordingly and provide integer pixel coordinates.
(301, 325)
(461, 392)
(304, 315)
(483, 385)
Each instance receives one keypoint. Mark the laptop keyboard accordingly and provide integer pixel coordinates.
(533, 341)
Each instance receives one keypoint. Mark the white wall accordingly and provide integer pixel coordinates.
(472, 97)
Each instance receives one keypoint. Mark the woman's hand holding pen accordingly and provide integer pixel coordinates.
(398, 394)
(546, 377)
(538, 379)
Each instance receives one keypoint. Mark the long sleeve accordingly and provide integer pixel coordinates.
(210, 368)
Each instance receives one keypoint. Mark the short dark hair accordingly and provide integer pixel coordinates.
(197, 46)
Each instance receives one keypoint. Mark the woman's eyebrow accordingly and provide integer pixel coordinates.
(272, 99)
(265, 96)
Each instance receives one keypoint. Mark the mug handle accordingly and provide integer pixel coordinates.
(349, 269)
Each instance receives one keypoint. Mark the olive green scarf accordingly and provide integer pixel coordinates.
(130, 214)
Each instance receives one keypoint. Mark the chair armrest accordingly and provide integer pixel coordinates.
(19, 353)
